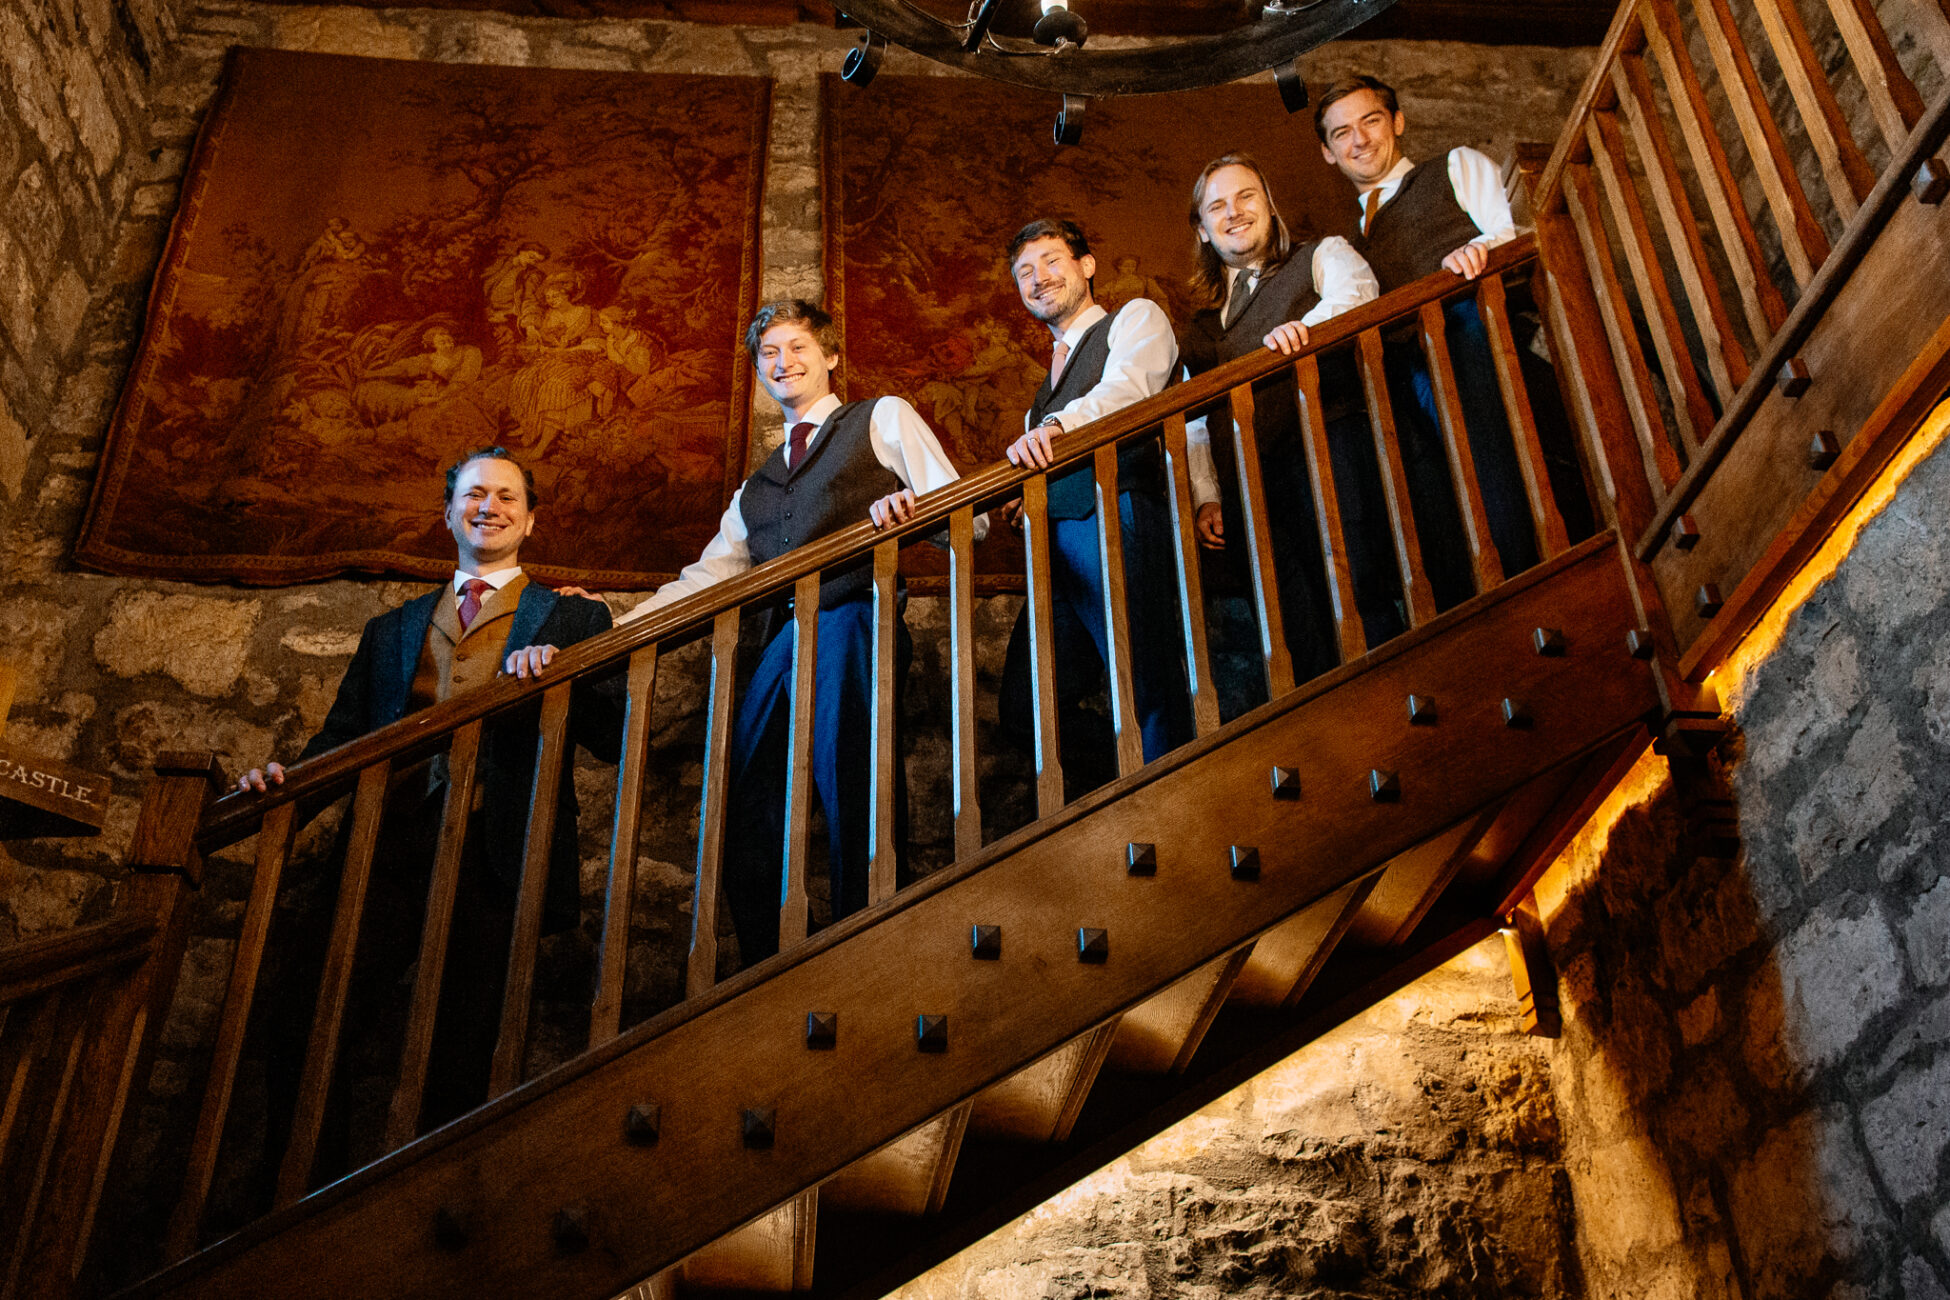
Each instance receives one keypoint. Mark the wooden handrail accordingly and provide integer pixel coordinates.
(237, 815)
(40, 964)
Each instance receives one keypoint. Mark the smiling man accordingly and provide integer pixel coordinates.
(426, 651)
(842, 463)
(1262, 291)
(1416, 221)
(1099, 363)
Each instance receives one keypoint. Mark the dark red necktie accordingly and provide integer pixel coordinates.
(470, 604)
(797, 451)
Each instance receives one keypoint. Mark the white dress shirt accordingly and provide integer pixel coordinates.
(1344, 281)
(1143, 353)
(1478, 186)
(901, 441)
(497, 580)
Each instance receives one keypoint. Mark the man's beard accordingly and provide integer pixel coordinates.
(1062, 308)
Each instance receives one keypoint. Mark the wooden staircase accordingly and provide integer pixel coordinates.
(840, 1117)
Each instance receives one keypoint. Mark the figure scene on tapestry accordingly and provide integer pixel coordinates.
(454, 257)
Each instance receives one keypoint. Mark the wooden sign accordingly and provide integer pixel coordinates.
(39, 796)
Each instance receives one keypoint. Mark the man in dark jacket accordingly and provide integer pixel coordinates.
(433, 647)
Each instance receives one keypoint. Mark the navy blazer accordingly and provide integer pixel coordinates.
(375, 692)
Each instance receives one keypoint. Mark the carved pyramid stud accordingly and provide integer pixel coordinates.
(571, 1230)
(1931, 183)
(1244, 862)
(1638, 642)
(761, 1127)
(450, 1228)
(986, 943)
(1708, 601)
(643, 1123)
(1286, 783)
(1824, 450)
(931, 1033)
(822, 1030)
(1515, 714)
(1421, 711)
(1384, 787)
(1793, 378)
(1141, 859)
(1548, 641)
(1093, 946)
(1685, 532)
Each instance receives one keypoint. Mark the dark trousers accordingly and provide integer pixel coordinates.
(842, 772)
(1160, 696)
(1438, 517)
(1293, 528)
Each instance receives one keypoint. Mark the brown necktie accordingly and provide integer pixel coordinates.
(1370, 206)
(796, 452)
(1058, 355)
(470, 604)
(1242, 289)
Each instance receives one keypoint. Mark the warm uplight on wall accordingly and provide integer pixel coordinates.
(1766, 635)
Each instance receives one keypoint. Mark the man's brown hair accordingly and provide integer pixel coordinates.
(490, 453)
(793, 311)
(1209, 281)
(1353, 86)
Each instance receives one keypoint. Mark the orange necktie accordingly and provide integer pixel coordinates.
(1371, 206)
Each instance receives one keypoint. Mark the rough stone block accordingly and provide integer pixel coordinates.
(201, 641)
(13, 452)
(1920, 1281)
(66, 306)
(142, 732)
(87, 103)
(1803, 1197)
(34, 215)
(345, 31)
(1849, 802)
(1908, 1127)
(1699, 1020)
(36, 97)
(1625, 1201)
(1940, 1225)
(1926, 933)
(1837, 973)
(19, 298)
(36, 901)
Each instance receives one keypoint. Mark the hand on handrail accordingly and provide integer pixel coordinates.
(894, 508)
(255, 778)
(528, 661)
(1467, 261)
(1288, 338)
(1033, 448)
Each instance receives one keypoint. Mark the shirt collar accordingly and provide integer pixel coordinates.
(1082, 325)
(497, 580)
(816, 413)
(1387, 184)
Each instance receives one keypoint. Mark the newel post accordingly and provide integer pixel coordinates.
(126, 1021)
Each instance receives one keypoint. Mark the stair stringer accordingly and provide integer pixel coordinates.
(558, 1144)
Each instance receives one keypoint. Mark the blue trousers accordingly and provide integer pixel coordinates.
(842, 772)
(1160, 695)
(1438, 518)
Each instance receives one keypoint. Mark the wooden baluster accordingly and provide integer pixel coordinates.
(613, 952)
(552, 749)
(273, 848)
(1843, 166)
(1042, 643)
(1191, 582)
(463, 766)
(1760, 299)
(1801, 235)
(1455, 442)
(886, 610)
(22, 1204)
(322, 1049)
(1584, 360)
(795, 901)
(1259, 546)
(1348, 628)
(1690, 409)
(1724, 357)
(702, 971)
(1892, 95)
(961, 650)
(1394, 481)
(1117, 614)
(1640, 398)
(1493, 305)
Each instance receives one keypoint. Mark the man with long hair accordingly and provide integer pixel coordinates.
(1263, 290)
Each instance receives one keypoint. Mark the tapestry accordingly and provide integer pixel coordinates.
(928, 178)
(379, 264)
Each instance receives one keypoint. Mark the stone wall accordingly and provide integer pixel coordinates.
(1411, 1152)
(75, 107)
(1754, 1078)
